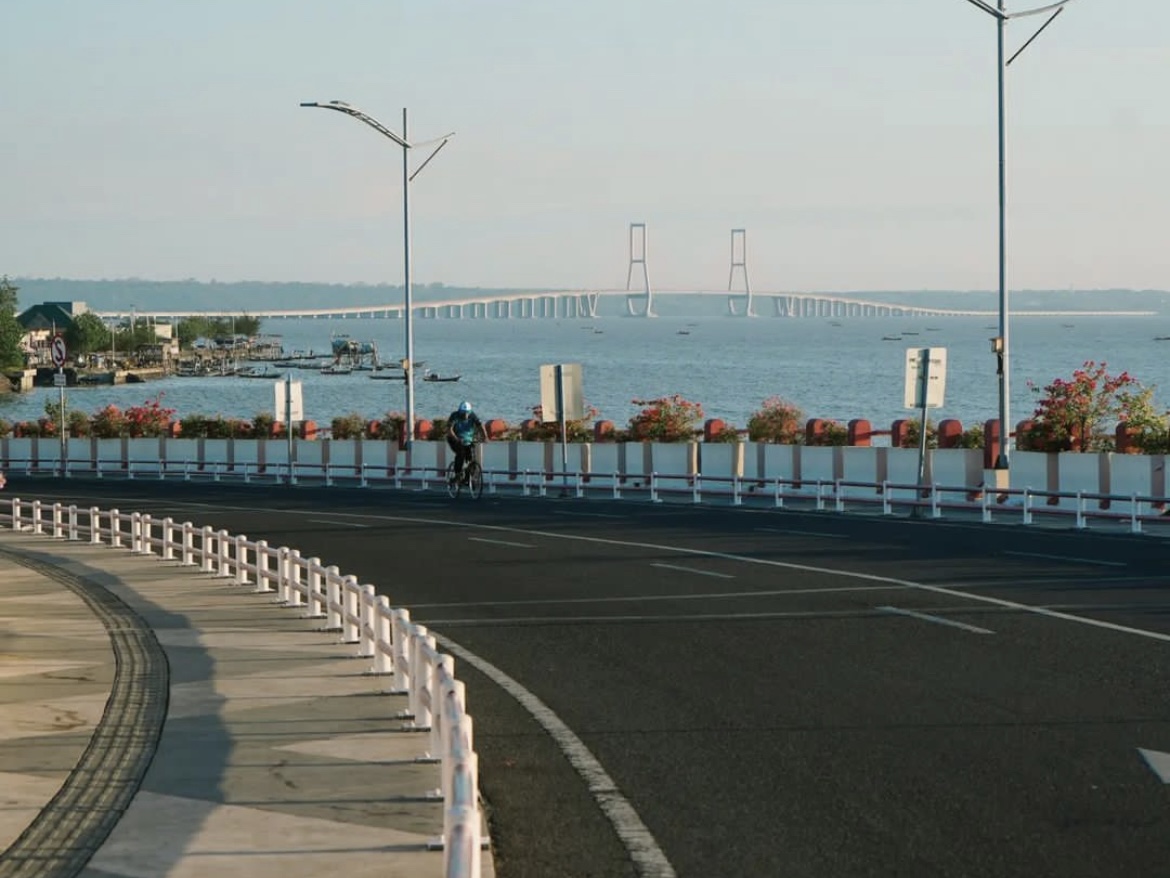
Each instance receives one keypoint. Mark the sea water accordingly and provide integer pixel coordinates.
(838, 369)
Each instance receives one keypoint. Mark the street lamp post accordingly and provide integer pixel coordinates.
(999, 344)
(407, 178)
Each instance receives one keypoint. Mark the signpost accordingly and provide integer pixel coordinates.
(60, 354)
(561, 399)
(926, 380)
(294, 412)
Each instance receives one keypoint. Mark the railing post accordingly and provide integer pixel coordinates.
(206, 546)
(778, 497)
(383, 638)
(653, 487)
(367, 604)
(1080, 521)
(168, 539)
(1135, 515)
(135, 533)
(617, 486)
(58, 524)
(351, 595)
(333, 599)
(262, 581)
(400, 632)
(115, 529)
(317, 595)
(95, 526)
(986, 504)
(295, 579)
(887, 498)
(146, 525)
(240, 557)
(935, 511)
(1027, 505)
(736, 490)
(73, 522)
(838, 496)
(187, 558)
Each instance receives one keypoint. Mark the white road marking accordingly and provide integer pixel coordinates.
(617, 599)
(1158, 762)
(336, 521)
(648, 858)
(587, 514)
(747, 559)
(1067, 558)
(501, 543)
(801, 533)
(938, 620)
(694, 570)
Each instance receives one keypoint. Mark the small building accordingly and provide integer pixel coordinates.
(41, 321)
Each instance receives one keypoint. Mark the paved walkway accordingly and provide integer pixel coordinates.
(157, 721)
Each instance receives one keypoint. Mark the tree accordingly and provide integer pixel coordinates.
(87, 333)
(10, 330)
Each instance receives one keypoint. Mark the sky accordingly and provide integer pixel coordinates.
(854, 142)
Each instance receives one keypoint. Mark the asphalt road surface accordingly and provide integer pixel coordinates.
(672, 690)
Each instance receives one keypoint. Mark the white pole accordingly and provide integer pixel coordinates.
(408, 298)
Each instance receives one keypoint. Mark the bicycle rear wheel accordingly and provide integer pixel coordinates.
(453, 485)
(474, 480)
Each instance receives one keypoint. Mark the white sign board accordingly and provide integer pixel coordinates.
(60, 380)
(57, 349)
(574, 397)
(289, 401)
(930, 363)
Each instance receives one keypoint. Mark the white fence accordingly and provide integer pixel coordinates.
(398, 647)
(1078, 487)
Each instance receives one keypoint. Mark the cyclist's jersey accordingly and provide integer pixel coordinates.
(464, 425)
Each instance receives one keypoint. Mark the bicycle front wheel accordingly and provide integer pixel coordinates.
(453, 485)
(475, 480)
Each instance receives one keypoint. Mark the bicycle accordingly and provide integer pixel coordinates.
(471, 478)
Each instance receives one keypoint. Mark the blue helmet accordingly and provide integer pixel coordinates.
(465, 407)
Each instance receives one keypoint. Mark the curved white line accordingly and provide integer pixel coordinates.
(643, 849)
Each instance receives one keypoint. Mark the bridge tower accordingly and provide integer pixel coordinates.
(740, 261)
(638, 257)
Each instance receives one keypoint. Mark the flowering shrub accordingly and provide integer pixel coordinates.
(835, 433)
(577, 430)
(1070, 413)
(148, 419)
(972, 437)
(666, 419)
(727, 434)
(392, 427)
(108, 423)
(351, 426)
(777, 421)
(262, 424)
(913, 434)
(5, 427)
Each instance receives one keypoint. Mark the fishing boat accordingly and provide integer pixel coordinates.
(435, 376)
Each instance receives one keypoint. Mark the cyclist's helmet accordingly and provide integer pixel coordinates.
(465, 407)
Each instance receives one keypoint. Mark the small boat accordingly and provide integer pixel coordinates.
(388, 376)
(891, 338)
(683, 332)
(435, 376)
(336, 369)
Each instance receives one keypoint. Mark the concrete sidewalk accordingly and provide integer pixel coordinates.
(158, 721)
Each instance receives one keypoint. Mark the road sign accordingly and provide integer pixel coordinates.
(926, 377)
(58, 350)
(290, 400)
(59, 379)
(570, 392)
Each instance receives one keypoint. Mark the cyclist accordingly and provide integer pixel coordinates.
(462, 428)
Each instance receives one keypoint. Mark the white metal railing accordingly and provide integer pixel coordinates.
(1080, 508)
(436, 702)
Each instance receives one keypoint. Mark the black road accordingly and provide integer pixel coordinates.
(663, 690)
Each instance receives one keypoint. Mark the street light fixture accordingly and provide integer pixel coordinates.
(407, 178)
(1000, 344)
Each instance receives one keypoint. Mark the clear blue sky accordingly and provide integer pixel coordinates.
(855, 141)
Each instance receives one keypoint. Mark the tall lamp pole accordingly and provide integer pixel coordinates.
(999, 344)
(407, 178)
